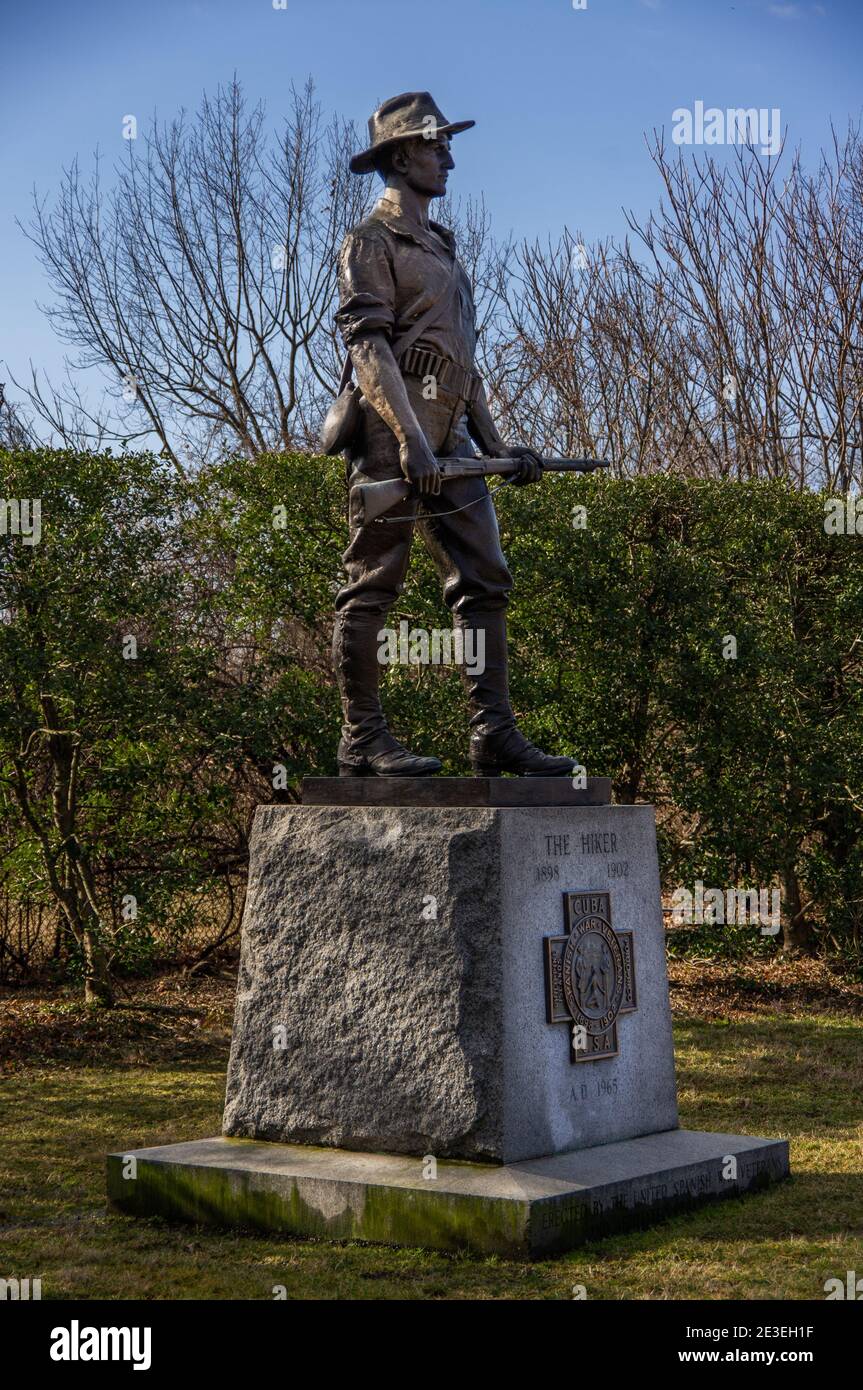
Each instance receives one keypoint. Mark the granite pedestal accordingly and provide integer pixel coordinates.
(452, 1028)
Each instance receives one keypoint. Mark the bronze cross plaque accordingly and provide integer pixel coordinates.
(589, 976)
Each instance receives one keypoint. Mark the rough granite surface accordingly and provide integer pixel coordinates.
(372, 939)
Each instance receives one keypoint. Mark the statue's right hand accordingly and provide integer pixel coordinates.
(419, 465)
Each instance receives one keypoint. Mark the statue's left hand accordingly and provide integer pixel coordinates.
(530, 470)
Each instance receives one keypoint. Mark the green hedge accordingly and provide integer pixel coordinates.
(622, 620)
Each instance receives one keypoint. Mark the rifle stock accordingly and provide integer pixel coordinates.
(369, 501)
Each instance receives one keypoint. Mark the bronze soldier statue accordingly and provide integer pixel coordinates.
(407, 318)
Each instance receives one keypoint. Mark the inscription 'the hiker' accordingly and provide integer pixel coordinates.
(592, 842)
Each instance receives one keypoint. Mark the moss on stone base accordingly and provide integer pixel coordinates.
(317, 1207)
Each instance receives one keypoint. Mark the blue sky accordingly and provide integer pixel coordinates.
(562, 97)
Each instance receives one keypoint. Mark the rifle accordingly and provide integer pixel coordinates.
(369, 501)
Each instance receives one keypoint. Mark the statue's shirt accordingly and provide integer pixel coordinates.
(391, 270)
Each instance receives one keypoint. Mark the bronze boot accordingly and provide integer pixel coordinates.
(496, 744)
(366, 747)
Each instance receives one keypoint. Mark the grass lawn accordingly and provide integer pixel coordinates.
(762, 1049)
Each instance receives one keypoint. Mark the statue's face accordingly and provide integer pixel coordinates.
(425, 165)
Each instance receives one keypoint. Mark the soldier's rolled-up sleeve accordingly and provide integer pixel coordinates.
(366, 289)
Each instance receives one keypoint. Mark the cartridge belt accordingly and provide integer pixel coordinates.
(449, 375)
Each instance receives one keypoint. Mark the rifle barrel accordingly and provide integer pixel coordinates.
(370, 500)
(480, 467)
